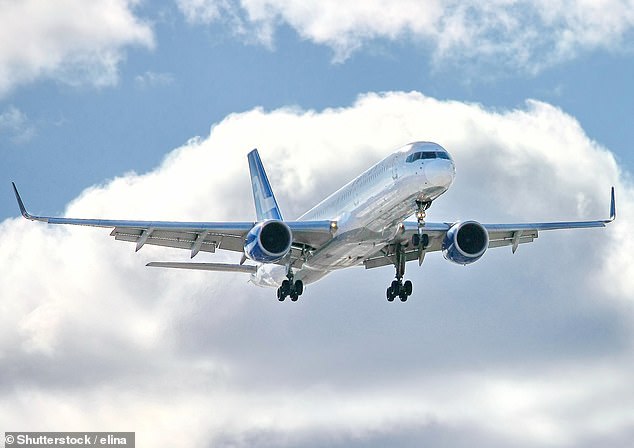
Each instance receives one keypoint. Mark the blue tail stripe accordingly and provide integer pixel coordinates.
(265, 203)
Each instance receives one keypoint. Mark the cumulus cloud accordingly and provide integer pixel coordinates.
(530, 349)
(511, 34)
(71, 41)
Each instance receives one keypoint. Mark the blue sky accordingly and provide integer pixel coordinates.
(139, 109)
(73, 136)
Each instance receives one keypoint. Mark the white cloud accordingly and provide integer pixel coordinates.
(530, 349)
(72, 41)
(508, 34)
(151, 79)
(16, 125)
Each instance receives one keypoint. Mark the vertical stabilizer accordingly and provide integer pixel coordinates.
(265, 203)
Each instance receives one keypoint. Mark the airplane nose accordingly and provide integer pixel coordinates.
(439, 173)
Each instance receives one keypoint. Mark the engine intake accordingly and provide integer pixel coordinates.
(268, 241)
(465, 242)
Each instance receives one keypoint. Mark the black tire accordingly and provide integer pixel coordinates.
(403, 296)
(390, 297)
(294, 297)
(299, 287)
(407, 286)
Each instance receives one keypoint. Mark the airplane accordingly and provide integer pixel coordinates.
(361, 224)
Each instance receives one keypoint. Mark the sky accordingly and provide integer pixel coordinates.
(146, 110)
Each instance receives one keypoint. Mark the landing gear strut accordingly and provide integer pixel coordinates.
(291, 288)
(421, 213)
(398, 288)
(420, 240)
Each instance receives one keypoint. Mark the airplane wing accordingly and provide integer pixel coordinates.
(195, 236)
(499, 235)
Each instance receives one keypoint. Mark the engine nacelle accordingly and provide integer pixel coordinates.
(268, 241)
(465, 242)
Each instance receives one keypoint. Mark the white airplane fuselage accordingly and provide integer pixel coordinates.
(369, 209)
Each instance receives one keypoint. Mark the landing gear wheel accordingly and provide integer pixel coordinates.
(299, 287)
(290, 288)
(407, 286)
(397, 288)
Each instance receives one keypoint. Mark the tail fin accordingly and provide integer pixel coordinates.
(265, 204)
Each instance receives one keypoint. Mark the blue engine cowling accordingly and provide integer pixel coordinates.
(268, 241)
(465, 242)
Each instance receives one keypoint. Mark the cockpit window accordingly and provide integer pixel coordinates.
(427, 155)
(443, 155)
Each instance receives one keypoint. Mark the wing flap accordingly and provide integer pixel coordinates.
(165, 242)
(195, 242)
(510, 241)
(384, 260)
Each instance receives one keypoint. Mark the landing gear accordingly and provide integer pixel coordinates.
(420, 241)
(421, 212)
(398, 288)
(290, 288)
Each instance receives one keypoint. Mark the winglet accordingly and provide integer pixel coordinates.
(612, 207)
(265, 204)
(20, 203)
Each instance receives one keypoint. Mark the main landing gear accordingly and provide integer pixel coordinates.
(398, 288)
(291, 288)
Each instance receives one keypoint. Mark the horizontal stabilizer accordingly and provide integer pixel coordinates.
(221, 267)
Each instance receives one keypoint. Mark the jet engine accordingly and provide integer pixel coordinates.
(268, 241)
(465, 242)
